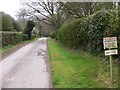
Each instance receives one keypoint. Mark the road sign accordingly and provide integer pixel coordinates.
(110, 42)
(111, 52)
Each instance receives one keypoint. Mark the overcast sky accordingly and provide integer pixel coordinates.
(10, 6)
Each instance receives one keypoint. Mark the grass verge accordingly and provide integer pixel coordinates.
(71, 69)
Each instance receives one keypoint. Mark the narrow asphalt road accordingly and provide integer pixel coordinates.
(27, 68)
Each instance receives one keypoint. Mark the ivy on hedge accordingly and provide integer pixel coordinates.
(87, 33)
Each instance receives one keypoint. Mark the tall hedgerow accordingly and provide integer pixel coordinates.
(87, 33)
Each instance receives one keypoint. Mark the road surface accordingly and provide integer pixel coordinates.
(27, 68)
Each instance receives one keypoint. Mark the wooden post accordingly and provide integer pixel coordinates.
(111, 74)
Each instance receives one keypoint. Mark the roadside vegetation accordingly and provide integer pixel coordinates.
(13, 35)
(88, 67)
(11, 48)
(87, 33)
(77, 69)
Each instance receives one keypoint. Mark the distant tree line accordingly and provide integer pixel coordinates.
(9, 24)
(11, 31)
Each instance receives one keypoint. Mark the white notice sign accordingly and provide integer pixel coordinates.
(110, 42)
(111, 52)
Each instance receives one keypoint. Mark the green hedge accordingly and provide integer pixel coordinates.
(54, 35)
(13, 38)
(87, 33)
(33, 36)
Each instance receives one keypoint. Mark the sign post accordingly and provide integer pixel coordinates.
(110, 43)
(111, 75)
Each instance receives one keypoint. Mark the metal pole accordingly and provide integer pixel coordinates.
(110, 57)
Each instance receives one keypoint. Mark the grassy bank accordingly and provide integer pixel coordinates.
(71, 69)
(9, 48)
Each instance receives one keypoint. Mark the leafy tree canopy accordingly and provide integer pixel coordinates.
(7, 24)
(29, 27)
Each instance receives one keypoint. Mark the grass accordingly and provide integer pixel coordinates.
(10, 47)
(72, 69)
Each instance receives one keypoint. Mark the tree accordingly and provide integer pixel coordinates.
(16, 25)
(7, 24)
(83, 9)
(22, 17)
(29, 27)
(46, 12)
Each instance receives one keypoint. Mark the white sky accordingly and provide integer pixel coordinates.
(10, 7)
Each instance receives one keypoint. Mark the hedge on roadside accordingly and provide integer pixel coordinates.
(13, 38)
(87, 33)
